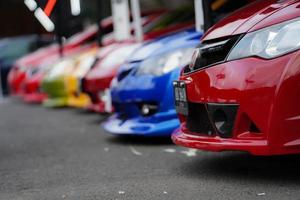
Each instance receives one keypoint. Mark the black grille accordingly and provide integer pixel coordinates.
(211, 119)
(212, 52)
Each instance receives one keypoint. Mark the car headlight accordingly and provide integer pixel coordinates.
(165, 63)
(270, 42)
(84, 65)
(62, 67)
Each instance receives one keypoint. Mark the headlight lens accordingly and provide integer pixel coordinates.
(165, 63)
(269, 42)
(62, 67)
(83, 65)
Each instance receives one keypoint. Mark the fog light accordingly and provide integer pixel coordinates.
(145, 110)
(148, 109)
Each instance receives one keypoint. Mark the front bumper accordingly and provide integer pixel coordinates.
(32, 89)
(100, 107)
(216, 143)
(94, 87)
(64, 91)
(56, 102)
(96, 107)
(55, 87)
(35, 98)
(15, 80)
(133, 93)
(160, 124)
(267, 118)
(79, 101)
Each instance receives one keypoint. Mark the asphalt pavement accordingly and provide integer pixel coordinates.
(64, 154)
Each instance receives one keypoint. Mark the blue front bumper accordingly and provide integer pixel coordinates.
(134, 91)
(160, 124)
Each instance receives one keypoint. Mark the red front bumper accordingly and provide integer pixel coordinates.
(254, 146)
(32, 92)
(267, 93)
(15, 80)
(93, 86)
(98, 107)
(35, 98)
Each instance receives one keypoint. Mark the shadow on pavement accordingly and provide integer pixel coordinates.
(232, 165)
(138, 140)
(80, 111)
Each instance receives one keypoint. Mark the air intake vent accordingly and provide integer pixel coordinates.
(254, 129)
(211, 119)
(198, 120)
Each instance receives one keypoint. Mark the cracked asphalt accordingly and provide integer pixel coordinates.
(64, 154)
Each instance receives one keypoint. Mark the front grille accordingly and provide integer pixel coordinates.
(212, 53)
(211, 119)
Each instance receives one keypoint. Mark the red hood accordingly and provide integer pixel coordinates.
(49, 54)
(33, 58)
(98, 72)
(242, 20)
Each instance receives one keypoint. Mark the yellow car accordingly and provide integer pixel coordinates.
(63, 82)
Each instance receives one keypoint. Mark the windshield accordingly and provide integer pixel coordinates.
(181, 15)
(215, 10)
(15, 48)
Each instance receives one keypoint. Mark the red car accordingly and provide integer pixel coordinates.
(241, 92)
(97, 82)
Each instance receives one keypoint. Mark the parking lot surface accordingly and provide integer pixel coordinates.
(64, 154)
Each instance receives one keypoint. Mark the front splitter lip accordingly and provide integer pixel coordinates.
(81, 101)
(140, 127)
(56, 102)
(217, 144)
(35, 98)
(98, 108)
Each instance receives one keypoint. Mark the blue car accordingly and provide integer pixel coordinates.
(142, 93)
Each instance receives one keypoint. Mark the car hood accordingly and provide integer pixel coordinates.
(108, 63)
(34, 57)
(244, 19)
(75, 65)
(186, 39)
(161, 44)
